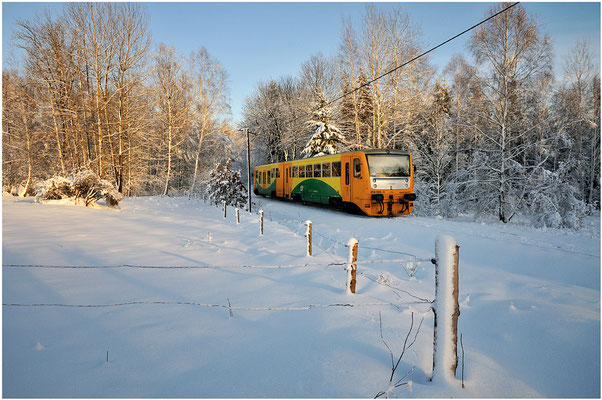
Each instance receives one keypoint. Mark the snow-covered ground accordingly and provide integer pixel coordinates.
(529, 301)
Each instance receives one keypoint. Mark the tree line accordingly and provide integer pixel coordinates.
(92, 93)
(494, 133)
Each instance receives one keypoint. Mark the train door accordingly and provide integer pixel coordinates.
(279, 180)
(346, 177)
(288, 180)
(356, 178)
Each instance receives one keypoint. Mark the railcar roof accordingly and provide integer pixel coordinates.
(386, 151)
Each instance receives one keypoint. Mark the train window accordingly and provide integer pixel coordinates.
(326, 170)
(317, 170)
(336, 169)
(277, 172)
(301, 171)
(264, 180)
(308, 171)
(357, 168)
(295, 171)
(269, 178)
(346, 173)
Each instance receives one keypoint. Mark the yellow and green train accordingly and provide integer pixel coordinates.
(375, 182)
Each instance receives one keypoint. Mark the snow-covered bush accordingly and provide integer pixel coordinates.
(84, 185)
(55, 188)
(225, 185)
(429, 204)
(88, 186)
(555, 201)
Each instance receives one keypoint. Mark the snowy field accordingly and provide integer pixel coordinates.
(529, 301)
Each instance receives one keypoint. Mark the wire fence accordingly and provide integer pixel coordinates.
(293, 224)
(297, 225)
(306, 265)
(206, 305)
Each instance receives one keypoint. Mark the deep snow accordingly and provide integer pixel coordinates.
(529, 302)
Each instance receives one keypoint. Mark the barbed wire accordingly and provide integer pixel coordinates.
(306, 265)
(299, 223)
(422, 300)
(249, 266)
(208, 305)
(414, 260)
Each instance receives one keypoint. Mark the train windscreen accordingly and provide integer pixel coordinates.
(389, 165)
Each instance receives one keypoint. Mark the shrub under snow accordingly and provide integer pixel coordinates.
(84, 185)
(55, 188)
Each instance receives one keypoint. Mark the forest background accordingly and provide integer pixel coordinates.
(493, 133)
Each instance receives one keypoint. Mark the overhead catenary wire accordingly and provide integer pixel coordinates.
(421, 55)
(411, 60)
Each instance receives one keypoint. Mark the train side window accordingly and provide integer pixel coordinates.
(326, 170)
(269, 177)
(295, 171)
(308, 171)
(357, 168)
(317, 170)
(264, 180)
(336, 169)
(346, 173)
(301, 171)
(277, 172)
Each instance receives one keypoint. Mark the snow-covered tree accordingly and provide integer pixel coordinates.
(432, 147)
(327, 138)
(514, 54)
(225, 185)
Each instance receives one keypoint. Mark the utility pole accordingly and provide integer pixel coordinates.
(249, 168)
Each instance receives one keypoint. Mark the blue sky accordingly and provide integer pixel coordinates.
(259, 41)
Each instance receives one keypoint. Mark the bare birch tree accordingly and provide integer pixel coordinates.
(174, 102)
(210, 100)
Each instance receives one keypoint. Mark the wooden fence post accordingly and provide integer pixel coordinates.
(224, 205)
(446, 309)
(237, 216)
(308, 234)
(261, 222)
(351, 267)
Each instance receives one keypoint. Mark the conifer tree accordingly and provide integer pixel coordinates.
(225, 186)
(327, 138)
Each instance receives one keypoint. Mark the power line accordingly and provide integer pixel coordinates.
(413, 59)
(421, 55)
